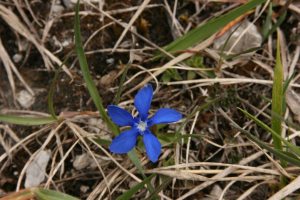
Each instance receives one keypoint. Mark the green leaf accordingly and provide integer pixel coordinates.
(191, 115)
(121, 83)
(160, 188)
(166, 78)
(87, 77)
(277, 96)
(202, 32)
(43, 194)
(294, 148)
(173, 74)
(190, 135)
(277, 153)
(276, 25)
(26, 120)
(103, 142)
(136, 161)
(50, 99)
(137, 187)
(289, 154)
(266, 24)
(191, 75)
(243, 52)
(285, 87)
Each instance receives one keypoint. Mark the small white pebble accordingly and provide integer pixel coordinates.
(17, 58)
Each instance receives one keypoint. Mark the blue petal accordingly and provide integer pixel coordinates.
(152, 145)
(124, 142)
(165, 115)
(143, 100)
(120, 116)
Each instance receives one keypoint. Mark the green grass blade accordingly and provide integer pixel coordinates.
(87, 77)
(277, 96)
(279, 154)
(277, 24)
(191, 115)
(202, 32)
(266, 25)
(121, 83)
(294, 148)
(137, 187)
(136, 161)
(265, 98)
(160, 188)
(43, 194)
(26, 120)
(190, 135)
(241, 53)
(285, 87)
(225, 44)
(50, 99)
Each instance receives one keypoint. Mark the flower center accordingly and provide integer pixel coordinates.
(142, 126)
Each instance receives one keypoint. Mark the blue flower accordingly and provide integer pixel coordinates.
(125, 142)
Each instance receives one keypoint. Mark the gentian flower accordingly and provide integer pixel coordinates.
(125, 142)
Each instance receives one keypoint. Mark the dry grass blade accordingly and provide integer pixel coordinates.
(13, 21)
(174, 61)
(135, 16)
(293, 186)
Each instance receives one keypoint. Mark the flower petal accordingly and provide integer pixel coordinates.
(124, 142)
(120, 116)
(152, 145)
(143, 100)
(165, 115)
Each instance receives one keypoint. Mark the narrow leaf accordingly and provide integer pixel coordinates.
(160, 188)
(191, 115)
(266, 25)
(87, 77)
(241, 53)
(43, 194)
(26, 120)
(294, 148)
(122, 82)
(202, 32)
(280, 155)
(190, 135)
(136, 161)
(50, 99)
(277, 96)
(137, 187)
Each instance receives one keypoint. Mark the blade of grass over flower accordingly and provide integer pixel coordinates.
(202, 32)
(121, 83)
(50, 98)
(87, 77)
(133, 190)
(26, 120)
(160, 188)
(191, 115)
(277, 95)
(279, 154)
(136, 161)
(294, 148)
(44, 194)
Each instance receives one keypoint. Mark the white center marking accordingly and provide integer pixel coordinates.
(142, 126)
